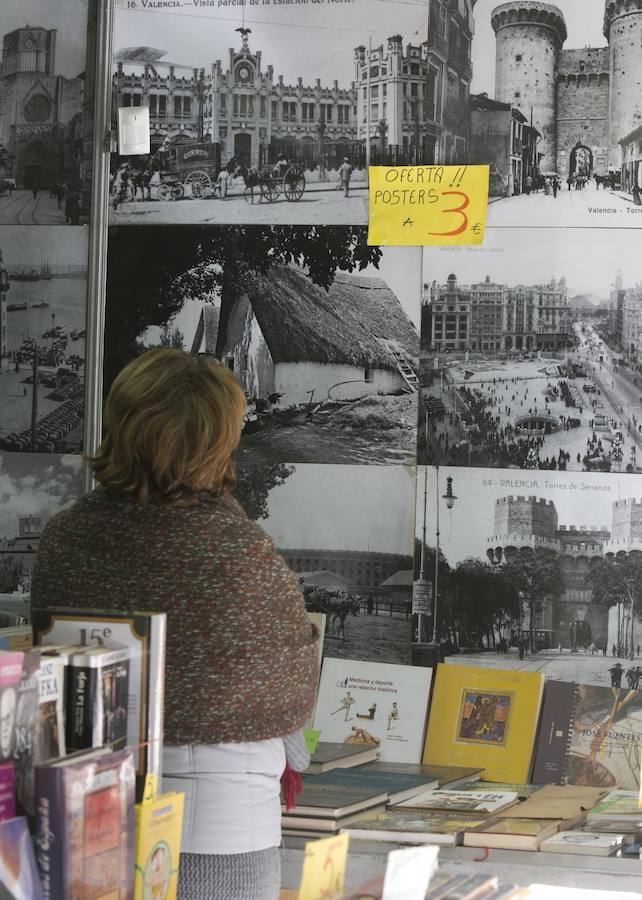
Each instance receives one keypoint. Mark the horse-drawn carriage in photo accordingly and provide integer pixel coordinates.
(188, 170)
(272, 181)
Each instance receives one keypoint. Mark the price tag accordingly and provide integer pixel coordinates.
(427, 205)
(150, 789)
(311, 739)
(408, 873)
(324, 868)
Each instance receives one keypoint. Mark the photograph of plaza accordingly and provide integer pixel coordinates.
(353, 563)
(325, 343)
(550, 96)
(251, 124)
(536, 571)
(43, 291)
(46, 112)
(530, 352)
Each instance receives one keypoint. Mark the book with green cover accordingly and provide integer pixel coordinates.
(616, 804)
(333, 755)
(523, 791)
(333, 800)
(413, 827)
(398, 787)
(446, 776)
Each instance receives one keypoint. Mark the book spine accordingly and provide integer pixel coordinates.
(83, 702)
(50, 832)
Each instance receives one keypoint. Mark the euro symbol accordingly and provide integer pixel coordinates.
(476, 229)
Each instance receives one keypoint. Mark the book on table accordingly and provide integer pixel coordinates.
(144, 634)
(624, 805)
(397, 786)
(523, 791)
(334, 755)
(487, 802)
(587, 734)
(333, 800)
(444, 776)
(588, 843)
(414, 826)
(318, 826)
(84, 824)
(376, 705)
(555, 801)
(512, 833)
(486, 718)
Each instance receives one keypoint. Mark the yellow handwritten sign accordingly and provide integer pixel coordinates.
(324, 868)
(418, 205)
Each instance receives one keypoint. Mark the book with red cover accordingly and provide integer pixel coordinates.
(7, 792)
(85, 821)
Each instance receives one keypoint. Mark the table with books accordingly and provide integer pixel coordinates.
(513, 776)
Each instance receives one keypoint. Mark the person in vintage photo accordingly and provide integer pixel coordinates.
(324, 341)
(46, 126)
(301, 128)
(518, 565)
(532, 359)
(545, 94)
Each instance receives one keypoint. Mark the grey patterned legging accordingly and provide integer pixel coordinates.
(230, 876)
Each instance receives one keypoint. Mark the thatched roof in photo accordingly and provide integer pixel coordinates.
(304, 323)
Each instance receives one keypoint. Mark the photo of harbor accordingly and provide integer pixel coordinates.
(42, 359)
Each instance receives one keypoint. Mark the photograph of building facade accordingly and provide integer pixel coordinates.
(45, 117)
(520, 370)
(584, 103)
(546, 581)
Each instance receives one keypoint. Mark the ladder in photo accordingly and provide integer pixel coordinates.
(406, 369)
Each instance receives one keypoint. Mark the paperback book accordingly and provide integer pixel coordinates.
(10, 675)
(158, 843)
(487, 802)
(512, 833)
(51, 719)
(376, 705)
(414, 826)
(98, 681)
(19, 877)
(484, 717)
(587, 843)
(623, 805)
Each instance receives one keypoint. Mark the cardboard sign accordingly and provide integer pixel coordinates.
(427, 205)
(324, 868)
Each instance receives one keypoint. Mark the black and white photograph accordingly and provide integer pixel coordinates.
(321, 331)
(550, 97)
(33, 489)
(43, 290)
(532, 353)
(250, 122)
(350, 543)
(46, 114)
(537, 571)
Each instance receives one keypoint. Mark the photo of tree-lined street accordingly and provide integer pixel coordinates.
(531, 353)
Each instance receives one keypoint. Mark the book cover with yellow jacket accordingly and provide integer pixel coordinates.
(158, 844)
(486, 718)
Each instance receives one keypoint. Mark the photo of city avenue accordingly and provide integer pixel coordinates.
(549, 95)
(531, 353)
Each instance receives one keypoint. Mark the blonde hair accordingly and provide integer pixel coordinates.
(172, 424)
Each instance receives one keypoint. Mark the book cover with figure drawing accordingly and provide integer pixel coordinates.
(374, 704)
(484, 717)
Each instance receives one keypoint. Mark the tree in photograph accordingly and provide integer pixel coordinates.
(254, 484)
(171, 337)
(482, 602)
(617, 582)
(533, 576)
(155, 270)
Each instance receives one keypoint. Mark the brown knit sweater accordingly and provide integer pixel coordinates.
(241, 653)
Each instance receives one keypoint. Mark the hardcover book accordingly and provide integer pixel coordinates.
(414, 826)
(144, 634)
(486, 718)
(84, 829)
(376, 705)
(398, 787)
(7, 792)
(157, 847)
(617, 804)
(51, 720)
(331, 800)
(591, 736)
(98, 681)
(589, 843)
(19, 878)
(445, 776)
(487, 802)
(512, 833)
(523, 791)
(332, 755)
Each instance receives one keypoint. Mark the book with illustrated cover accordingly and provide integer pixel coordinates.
(487, 802)
(26, 732)
(10, 675)
(97, 694)
(589, 843)
(85, 825)
(51, 720)
(617, 804)
(144, 634)
(373, 704)
(19, 878)
(7, 792)
(512, 833)
(484, 717)
(414, 826)
(523, 791)
(157, 846)
(590, 735)
(333, 755)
